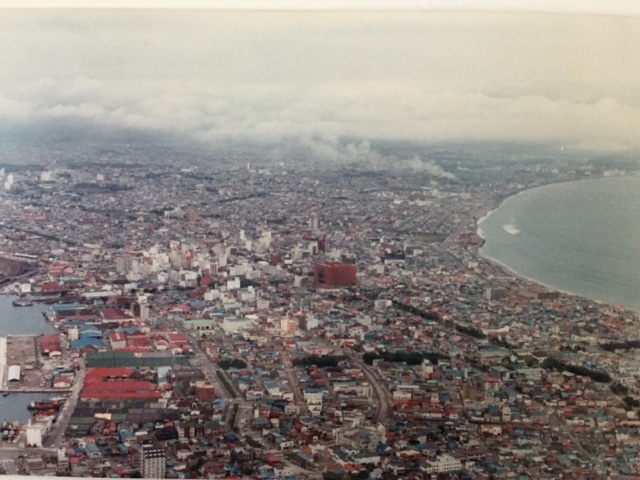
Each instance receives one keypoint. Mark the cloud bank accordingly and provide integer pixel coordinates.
(275, 78)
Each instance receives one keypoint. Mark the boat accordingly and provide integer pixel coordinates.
(22, 302)
(5, 394)
(44, 414)
(45, 405)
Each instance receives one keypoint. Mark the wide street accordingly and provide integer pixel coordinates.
(381, 394)
(56, 435)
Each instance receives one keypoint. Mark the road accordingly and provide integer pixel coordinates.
(208, 367)
(9, 466)
(56, 435)
(294, 382)
(245, 407)
(382, 395)
(556, 422)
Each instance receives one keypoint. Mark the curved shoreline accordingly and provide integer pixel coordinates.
(549, 287)
(512, 272)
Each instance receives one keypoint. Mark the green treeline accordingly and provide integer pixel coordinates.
(227, 385)
(405, 307)
(472, 332)
(628, 345)
(619, 389)
(318, 361)
(408, 357)
(235, 363)
(595, 375)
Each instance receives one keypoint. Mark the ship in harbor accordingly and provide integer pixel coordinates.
(22, 302)
(47, 405)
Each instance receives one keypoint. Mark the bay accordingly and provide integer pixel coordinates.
(23, 320)
(14, 406)
(578, 237)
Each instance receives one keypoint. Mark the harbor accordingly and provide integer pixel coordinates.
(29, 399)
(26, 370)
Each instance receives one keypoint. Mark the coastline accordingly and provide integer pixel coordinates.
(508, 270)
(522, 277)
(489, 209)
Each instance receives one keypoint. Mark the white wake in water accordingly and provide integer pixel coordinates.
(511, 229)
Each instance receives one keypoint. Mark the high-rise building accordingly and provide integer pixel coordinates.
(63, 461)
(334, 274)
(313, 221)
(192, 215)
(144, 311)
(152, 462)
(124, 264)
(288, 325)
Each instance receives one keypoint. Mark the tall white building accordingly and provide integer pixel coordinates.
(124, 264)
(152, 462)
(144, 311)
(313, 221)
(8, 182)
(63, 461)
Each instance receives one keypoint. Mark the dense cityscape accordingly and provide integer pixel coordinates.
(290, 320)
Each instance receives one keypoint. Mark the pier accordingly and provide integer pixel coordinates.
(34, 390)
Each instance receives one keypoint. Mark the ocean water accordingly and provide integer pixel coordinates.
(23, 320)
(578, 237)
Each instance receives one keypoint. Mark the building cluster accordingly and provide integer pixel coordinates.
(275, 323)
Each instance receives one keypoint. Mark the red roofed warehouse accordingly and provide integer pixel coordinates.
(50, 345)
(106, 373)
(334, 274)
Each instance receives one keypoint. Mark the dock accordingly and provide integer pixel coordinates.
(35, 390)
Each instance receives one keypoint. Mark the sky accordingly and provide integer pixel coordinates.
(331, 82)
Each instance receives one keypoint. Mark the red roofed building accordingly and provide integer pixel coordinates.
(59, 269)
(50, 287)
(119, 386)
(50, 345)
(179, 307)
(138, 341)
(334, 274)
(98, 395)
(178, 342)
(118, 340)
(100, 374)
(160, 343)
(205, 391)
(97, 388)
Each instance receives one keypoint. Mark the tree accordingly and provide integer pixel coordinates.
(404, 356)
(318, 361)
(332, 476)
(235, 363)
(619, 389)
